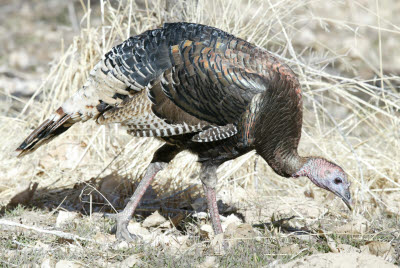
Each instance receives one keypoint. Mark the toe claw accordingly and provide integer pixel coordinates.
(120, 229)
(125, 235)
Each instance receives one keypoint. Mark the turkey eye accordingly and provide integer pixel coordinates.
(337, 180)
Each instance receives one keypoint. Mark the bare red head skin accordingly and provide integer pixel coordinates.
(328, 176)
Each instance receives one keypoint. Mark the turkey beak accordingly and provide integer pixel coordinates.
(346, 197)
(349, 203)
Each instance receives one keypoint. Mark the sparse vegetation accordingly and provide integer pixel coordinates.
(345, 53)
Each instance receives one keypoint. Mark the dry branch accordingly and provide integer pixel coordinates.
(43, 231)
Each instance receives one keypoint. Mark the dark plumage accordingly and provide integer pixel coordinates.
(201, 89)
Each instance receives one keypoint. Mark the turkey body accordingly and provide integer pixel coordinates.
(206, 85)
(191, 85)
(197, 88)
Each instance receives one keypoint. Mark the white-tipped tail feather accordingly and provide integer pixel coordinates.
(58, 123)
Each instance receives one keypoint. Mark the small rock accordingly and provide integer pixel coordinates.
(206, 231)
(290, 249)
(136, 229)
(200, 215)
(166, 225)
(68, 264)
(122, 245)
(153, 220)
(382, 249)
(172, 242)
(65, 217)
(47, 263)
(231, 219)
(131, 261)
(209, 262)
(103, 238)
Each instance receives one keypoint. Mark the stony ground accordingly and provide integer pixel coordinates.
(64, 220)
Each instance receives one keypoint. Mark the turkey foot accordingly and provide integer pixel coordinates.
(121, 230)
(123, 218)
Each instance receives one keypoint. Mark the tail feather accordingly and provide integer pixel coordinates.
(48, 130)
(100, 92)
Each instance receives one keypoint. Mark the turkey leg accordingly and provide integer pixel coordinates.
(208, 177)
(160, 160)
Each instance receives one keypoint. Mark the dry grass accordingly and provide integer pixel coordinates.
(344, 53)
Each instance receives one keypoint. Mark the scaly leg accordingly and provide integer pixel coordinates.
(213, 208)
(125, 216)
(208, 176)
(160, 160)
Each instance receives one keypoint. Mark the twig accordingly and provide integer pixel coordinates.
(44, 231)
(281, 224)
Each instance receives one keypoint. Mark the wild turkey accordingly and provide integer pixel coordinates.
(200, 89)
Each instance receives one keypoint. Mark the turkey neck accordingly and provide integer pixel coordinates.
(277, 126)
